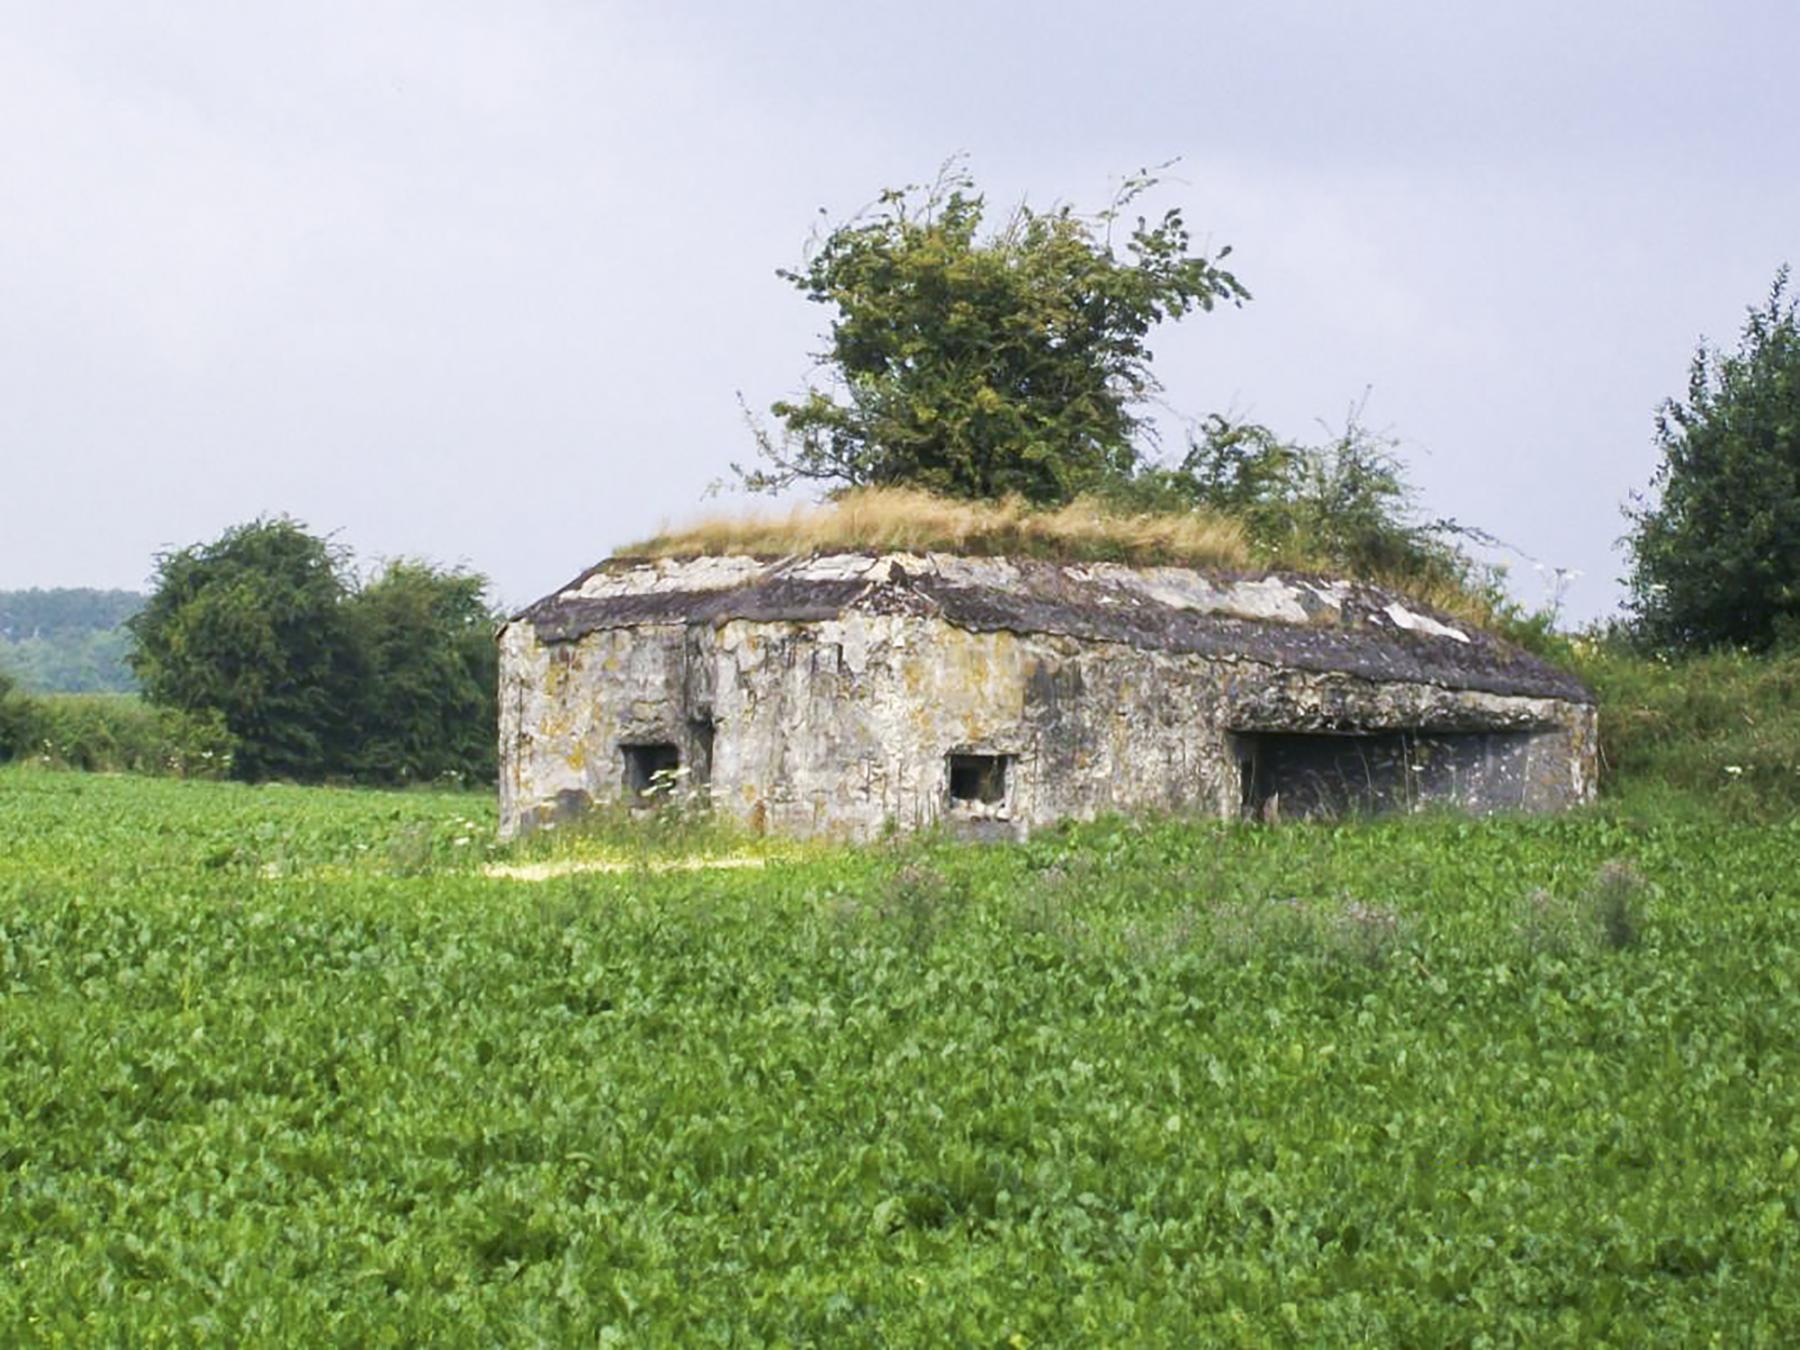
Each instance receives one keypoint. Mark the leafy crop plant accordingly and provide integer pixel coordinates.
(286, 1065)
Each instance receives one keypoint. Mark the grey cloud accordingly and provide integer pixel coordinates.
(481, 282)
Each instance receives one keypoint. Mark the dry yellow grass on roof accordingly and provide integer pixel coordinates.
(904, 520)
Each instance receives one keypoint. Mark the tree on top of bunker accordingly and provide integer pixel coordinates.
(986, 365)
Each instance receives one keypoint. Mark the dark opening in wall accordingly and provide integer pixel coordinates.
(978, 779)
(649, 765)
(1293, 775)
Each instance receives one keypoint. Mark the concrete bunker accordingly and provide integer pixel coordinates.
(848, 693)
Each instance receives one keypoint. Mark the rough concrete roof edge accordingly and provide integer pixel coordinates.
(622, 562)
(1354, 632)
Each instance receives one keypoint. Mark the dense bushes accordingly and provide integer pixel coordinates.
(111, 732)
(1725, 725)
(115, 733)
(314, 674)
(429, 667)
(1716, 554)
(1340, 505)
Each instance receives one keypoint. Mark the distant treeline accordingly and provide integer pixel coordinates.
(68, 640)
(265, 653)
(64, 609)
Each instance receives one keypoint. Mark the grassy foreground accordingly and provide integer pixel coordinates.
(282, 1065)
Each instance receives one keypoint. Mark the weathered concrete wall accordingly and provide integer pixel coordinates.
(845, 724)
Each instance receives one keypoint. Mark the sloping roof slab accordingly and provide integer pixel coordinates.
(1297, 622)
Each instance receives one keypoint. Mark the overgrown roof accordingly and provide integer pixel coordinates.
(1286, 620)
(905, 520)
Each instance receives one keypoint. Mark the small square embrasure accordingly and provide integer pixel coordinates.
(978, 779)
(643, 764)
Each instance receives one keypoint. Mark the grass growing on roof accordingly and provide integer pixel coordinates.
(1089, 529)
(905, 520)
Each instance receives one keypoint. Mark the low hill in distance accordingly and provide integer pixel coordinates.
(68, 640)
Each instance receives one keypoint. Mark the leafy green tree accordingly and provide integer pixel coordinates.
(1716, 554)
(427, 709)
(313, 676)
(985, 364)
(254, 627)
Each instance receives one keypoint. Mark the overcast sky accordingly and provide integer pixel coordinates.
(481, 282)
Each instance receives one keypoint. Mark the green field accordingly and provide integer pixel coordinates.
(282, 1065)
